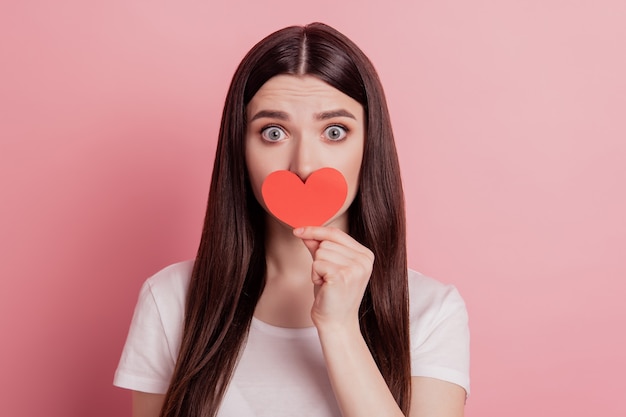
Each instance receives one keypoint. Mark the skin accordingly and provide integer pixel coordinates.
(316, 276)
(296, 110)
(301, 124)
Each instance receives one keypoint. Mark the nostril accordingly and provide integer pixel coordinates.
(304, 159)
(302, 175)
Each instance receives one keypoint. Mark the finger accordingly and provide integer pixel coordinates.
(312, 246)
(328, 246)
(345, 256)
(324, 272)
(333, 234)
(317, 278)
(340, 255)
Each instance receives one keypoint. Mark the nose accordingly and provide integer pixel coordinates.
(304, 158)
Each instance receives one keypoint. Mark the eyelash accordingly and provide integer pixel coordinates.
(345, 129)
(342, 127)
(267, 127)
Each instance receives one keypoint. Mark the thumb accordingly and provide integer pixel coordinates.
(312, 245)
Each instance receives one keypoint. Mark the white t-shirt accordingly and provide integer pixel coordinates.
(282, 371)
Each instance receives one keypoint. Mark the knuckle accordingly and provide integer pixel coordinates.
(320, 253)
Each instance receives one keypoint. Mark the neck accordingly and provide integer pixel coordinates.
(286, 256)
(288, 294)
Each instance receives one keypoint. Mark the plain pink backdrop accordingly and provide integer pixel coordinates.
(510, 123)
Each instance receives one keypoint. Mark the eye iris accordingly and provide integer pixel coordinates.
(334, 132)
(273, 134)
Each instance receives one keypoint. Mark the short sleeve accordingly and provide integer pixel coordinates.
(439, 332)
(146, 364)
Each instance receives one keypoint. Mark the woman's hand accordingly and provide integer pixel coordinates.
(341, 271)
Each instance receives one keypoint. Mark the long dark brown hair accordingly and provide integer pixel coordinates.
(228, 274)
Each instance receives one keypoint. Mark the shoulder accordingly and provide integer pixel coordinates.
(429, 297)
(170, 281)
(167, 291)
(154, 336)
(439, 330)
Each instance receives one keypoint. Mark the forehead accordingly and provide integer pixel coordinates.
(293, 93)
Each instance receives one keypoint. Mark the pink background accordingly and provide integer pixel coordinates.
(510, 120)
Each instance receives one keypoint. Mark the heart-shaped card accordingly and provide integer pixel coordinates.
(309, 203)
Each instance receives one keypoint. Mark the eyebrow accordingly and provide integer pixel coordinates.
(334, 113)
(270, 114)
(281, 115)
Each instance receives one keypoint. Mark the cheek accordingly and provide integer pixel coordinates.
(354, 165)
(259, 166)
(258, 169)
(352, 176)
(354, 162)
(255, 174)
(351, 169)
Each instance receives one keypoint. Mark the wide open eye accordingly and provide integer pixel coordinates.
(273, 134)
(335, 133)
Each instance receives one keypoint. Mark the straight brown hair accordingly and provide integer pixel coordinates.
(228, 274)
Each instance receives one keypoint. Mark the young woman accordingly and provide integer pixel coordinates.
(314, 321)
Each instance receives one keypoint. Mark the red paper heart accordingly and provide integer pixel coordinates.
(310, 203)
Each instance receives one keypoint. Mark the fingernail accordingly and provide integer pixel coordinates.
(298, 231)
